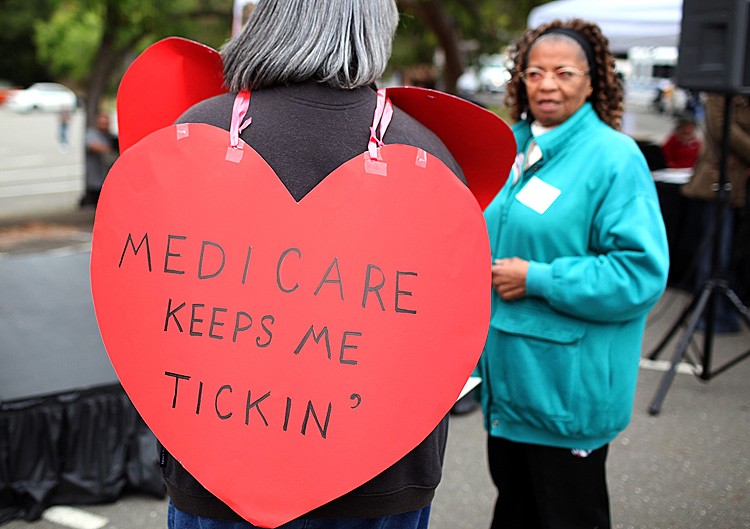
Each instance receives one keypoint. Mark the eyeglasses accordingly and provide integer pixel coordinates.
(563, 76)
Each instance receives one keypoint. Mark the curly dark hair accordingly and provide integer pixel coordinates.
(607, 96)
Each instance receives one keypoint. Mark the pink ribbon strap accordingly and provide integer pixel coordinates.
(382, 116)
(239, 110)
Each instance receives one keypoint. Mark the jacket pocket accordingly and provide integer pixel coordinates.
(539, 355)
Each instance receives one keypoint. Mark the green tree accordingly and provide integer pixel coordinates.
(18, 61)
(89, 41)
(490, 24)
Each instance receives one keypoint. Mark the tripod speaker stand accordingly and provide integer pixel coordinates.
(704, 303)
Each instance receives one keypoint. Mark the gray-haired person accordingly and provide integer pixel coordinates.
(311, 66)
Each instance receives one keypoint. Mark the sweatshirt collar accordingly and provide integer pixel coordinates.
(563, 135)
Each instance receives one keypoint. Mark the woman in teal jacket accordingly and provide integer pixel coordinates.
(579, 258)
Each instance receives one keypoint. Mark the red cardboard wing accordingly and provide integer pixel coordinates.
(174, 74)
(164, 81)
(481, 142)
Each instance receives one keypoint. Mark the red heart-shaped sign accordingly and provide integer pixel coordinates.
(286, 352)
(174, 74)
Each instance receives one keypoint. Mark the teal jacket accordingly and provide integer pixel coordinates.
(559, 367)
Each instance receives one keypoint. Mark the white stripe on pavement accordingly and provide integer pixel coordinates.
(663, 365)
(20, 176)
(40, 189)
(74, 518)
(22, 160)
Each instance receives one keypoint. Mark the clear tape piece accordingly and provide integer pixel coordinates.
(376, 167)
(234, 154)
(183, 131)
(421, 160)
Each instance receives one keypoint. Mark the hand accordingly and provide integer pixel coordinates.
(509, 277)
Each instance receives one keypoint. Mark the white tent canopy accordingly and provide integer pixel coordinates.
(626, 23)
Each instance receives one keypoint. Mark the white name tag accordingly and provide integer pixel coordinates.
(538, 195)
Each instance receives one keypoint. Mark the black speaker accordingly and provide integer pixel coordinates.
(714, 46)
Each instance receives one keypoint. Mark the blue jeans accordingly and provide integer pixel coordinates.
(177, 519)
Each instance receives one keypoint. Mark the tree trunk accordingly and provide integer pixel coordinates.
(434, 15)
(96, 84)
(109, 57)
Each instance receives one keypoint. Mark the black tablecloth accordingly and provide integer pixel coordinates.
(683, 234)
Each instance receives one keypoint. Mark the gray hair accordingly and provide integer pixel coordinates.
(344, 43)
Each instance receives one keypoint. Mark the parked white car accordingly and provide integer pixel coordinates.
(49, 97)
(493, 77)
(468, 82)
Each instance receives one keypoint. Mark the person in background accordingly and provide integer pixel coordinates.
(63, 119)
(740, 264)
(579, 258)
(311, 65)
(101, 153)
(664, 94)
(702, 188)
(694, 105)
(682, 146)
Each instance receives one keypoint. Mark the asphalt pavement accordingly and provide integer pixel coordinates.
(687, 467)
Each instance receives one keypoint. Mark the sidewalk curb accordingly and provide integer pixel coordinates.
(83, 218)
